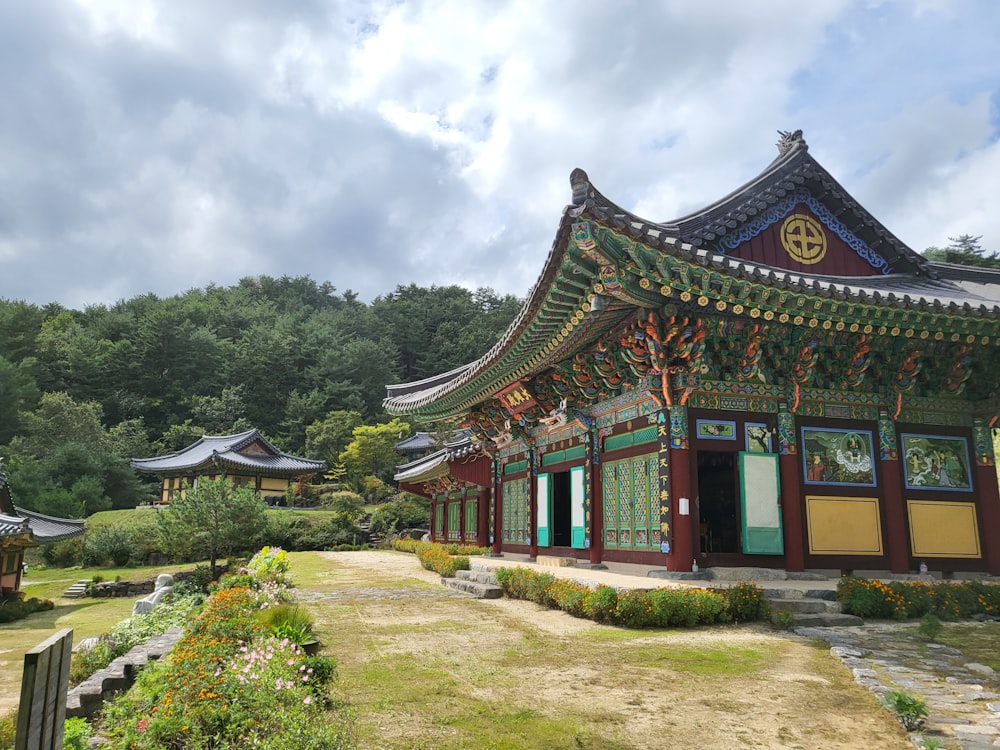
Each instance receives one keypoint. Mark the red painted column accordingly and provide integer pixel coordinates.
(532, 505)
(461, 519)
(791, 492)
(989, 495)
(892, 494)
(434, 520)
(497, 516)
(681, 553)
(483, 517)
(596, 520)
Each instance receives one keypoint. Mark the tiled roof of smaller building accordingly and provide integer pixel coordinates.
(15, 521)
(245, 451)
(50, 529)
(13, 525)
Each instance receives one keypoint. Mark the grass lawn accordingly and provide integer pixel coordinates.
(422, 668)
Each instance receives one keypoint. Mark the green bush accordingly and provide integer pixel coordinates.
(900, 600)
(76, 732)
(639, 608)
(746, 602)
(8, 728)
(399, 514)
(600, 604)
(15, 609)
(566, 595)
(435, 557)
(64, 554)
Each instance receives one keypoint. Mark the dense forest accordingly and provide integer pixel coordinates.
(81, 392)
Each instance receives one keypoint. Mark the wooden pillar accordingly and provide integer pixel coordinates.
(461, 519)
(532, 504)
(678, 465)
(434, 519)
(989, 495)
(497, 512)
(791, 491)
(892, 494)
(483, 517)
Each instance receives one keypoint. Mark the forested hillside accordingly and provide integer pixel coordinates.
(83, 391)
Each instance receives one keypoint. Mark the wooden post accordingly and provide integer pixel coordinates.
(42, 711)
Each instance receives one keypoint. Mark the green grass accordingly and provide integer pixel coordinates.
(50, 583)
(980, 642)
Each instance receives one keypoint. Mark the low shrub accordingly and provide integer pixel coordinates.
(15, 609)
(746, 602)
(64, 554)
(600, 604)
(435, 557)
(909, 709)
(901, 600)
(76, 733)
(8, 728)
(639, 608)
(864, 598)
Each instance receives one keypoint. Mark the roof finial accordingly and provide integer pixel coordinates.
(790, 140)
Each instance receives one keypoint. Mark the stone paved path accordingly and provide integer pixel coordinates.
(963, 697)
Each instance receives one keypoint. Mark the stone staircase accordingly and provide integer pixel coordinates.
(86, 699)
(815, 608)
(77, 591)
(480, 583)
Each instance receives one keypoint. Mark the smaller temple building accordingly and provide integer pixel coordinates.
(246, 458)
(21, 530)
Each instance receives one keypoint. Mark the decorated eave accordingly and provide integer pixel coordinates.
(605, 262)
(247, 452)
(455, 466)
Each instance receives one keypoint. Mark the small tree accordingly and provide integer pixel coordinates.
(213, 518)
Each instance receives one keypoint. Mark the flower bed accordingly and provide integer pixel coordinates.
(902, 600)
(230, 682)
(443, 559)
(638, 608)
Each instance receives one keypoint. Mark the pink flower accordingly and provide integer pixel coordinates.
(307, 700)
(143, 724)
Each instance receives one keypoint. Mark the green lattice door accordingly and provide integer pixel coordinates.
(760, 501)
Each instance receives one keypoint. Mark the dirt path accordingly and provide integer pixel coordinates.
(710, 688)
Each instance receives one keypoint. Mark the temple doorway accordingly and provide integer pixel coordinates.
(718, 503)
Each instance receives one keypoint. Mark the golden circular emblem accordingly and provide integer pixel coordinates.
(803, 239)
(685, 296)
(754, 312)
(738, 309)
(665, 290)
(939, 336)
(797, 320)
(703, 300)
(854, 328)
(720, 305)
(645, 283)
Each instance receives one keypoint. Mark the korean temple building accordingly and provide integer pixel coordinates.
(21, 530)
(775, 380)
(246, 458)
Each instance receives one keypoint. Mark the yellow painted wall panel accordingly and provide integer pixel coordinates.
(273, 484)
(843, 525)
(943, 529)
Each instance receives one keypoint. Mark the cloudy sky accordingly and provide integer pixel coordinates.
(160, 145)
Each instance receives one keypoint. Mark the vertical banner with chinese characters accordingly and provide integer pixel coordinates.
(664, 430)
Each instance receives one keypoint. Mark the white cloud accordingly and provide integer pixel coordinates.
(158, 145)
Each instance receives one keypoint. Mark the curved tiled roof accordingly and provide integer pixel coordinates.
(227, 452)
(908, 281)
(50, 529)
(16, 521)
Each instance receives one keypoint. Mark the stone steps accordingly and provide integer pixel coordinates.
(77, 591)
(810, 608)
(482, 584)
(86, 699)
